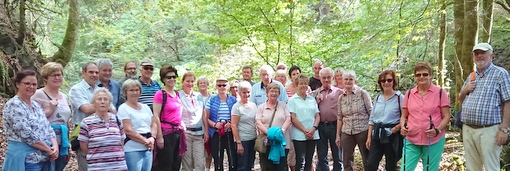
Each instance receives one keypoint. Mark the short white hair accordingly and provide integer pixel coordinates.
(349, 73)
(267, 68)
(203, 78)
(326, 70)
(101, 90)
(244, 85)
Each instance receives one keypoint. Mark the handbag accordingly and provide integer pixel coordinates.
(262, 142)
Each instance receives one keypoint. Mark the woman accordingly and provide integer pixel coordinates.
(291, 88)
(32, 143)
(383, 125)
(101, 135)
(218, 110)
(204, 95)
(425, 115)
(170, 139)
(192, 111)
(233, 89)
(305, 118)
(140, 126)
(281, 77)
(354, 107)
(278, 112)
(56, 108)
(243, 128)
(339, 81)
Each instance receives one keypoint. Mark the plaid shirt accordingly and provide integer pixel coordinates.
(354, 111)
(484, 105)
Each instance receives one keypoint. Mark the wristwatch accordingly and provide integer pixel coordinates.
(505, 130)
(316, 127)
(238, 142)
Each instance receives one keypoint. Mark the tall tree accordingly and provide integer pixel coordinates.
(487, 15)
(65, 50)
(442, 41)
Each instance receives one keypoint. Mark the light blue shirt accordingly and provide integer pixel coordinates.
(305, 110)
(114, 88)
(258, 93)
(81, 94)
(386, 111)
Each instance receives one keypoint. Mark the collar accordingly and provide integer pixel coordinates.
(143, 83)
(433, 88)
(331, 87)
(484, 72)
(262, 84)
(86, 85)
(100, 84)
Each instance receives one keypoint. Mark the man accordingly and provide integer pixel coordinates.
(258, 91)
(485, 111)
(149, 86)
(130, 73)
(281, 66)
(80, 96)
(327, 100)
(105, 75)
(247, 74)
(315, 81)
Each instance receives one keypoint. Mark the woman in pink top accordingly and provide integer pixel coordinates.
(425, 115)
(171, 140)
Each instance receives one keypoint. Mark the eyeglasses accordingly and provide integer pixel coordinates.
(421, 74)
(29, 84)
(386, 81)
(221, 85)
(148, 68)
(233, 87)
(132, 69)
(171, 77)
(56, 76)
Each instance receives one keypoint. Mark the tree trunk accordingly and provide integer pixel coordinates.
(470, 35)
(458, 20)
(487, 7)
(65, 51)
(442, 40)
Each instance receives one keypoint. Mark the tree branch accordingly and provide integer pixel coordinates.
(22, 27)
(248, 35)
(503, 5)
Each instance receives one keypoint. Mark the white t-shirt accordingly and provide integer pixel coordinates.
(140, 122)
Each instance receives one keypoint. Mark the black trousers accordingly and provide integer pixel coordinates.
(168, 159)
(220, 144)
(378, 149)
(268, 165)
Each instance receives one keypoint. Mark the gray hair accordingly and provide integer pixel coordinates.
(349, 73)
(326, 70)
(84, 67)
(101, 90)
(339, 71)
(203, 78)
(103, 61)
(267, 68)
(244, 85)
(130, 83)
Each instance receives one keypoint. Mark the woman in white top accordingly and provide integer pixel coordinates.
(243, 128)
(140, 127)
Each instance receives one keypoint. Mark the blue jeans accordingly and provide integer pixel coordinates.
(139, 160)
(327, 132)
(42, 166)
(246, 161)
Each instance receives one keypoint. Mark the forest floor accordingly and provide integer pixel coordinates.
(452, 158)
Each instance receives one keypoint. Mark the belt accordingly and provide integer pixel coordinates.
(479, 126)
(328, 123)
(194, 129)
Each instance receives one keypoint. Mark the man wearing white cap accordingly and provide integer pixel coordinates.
(149, 86)
(485, 111)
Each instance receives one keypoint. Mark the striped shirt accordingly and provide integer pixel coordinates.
(484, 105)
(354, 110)
(104, 143)
(148, 91)
(223, 112)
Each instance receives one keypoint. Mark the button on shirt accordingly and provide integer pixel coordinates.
(258, 93)
(80, 94)
(484, 105)
(305, 110)
(420, 108)
(328, 102)
(192, 110)
(386, 111)
(354, 110)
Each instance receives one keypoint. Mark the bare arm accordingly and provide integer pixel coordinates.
(234, 119)
(84, 146)
(445, 114)
(87, 108)
(296, 122)
(506, 115)
(156, 109)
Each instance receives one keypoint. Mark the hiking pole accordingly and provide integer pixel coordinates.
(428, 155)
(229, 150)
(405, 147)
(221, 131)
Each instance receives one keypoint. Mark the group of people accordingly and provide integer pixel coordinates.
(137, 124)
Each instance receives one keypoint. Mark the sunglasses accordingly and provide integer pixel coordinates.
(221, 85)
(386, 81)
(421, 74)
(148, 68)
(171, 77)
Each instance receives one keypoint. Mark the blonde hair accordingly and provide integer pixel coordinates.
(131, 83)
(49, 68)
(300, 78)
